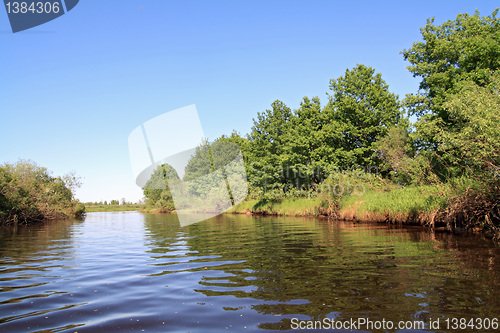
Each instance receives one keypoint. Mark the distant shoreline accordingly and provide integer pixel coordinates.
(112, 208)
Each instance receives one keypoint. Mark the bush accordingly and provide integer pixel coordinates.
(29, 193)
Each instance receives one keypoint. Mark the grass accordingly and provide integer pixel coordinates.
(400, 204)
(402, 200)
(112, 208)
(286, 206)
(407, 205)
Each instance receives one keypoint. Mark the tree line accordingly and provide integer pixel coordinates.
(365, 126)
(121, 202)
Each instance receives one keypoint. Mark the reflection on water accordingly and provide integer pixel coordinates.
(132, 271)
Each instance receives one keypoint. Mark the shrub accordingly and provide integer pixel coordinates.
(29, 193)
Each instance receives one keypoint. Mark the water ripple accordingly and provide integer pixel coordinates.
(131, 271)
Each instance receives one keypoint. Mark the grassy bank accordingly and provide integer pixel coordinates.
(444, 205)
(284, 207)
(149, 209)
(409, 205)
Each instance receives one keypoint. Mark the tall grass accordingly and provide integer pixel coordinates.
(405, 200)
(287, 206)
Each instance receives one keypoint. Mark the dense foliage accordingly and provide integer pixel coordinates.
(156, 190)
(362, 136)
(30, 193)
(466, 49)
(292, 151)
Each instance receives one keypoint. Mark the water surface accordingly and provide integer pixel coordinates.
(127, 271)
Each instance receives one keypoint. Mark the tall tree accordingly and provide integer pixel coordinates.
(157, 191)
(267, 141)
(238, 140)
(301, 158)
(361, 108)
(200, 164)
(475, 143)
(465, 49)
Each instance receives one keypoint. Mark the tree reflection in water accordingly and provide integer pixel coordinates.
(313, 269)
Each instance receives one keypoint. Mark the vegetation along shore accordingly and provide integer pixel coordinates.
(30, 193)
(431, 158)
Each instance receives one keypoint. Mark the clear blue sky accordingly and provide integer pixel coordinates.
(74, 88)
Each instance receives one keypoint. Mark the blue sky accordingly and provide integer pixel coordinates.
(74, 88)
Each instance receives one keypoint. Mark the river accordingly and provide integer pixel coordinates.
(128, 271)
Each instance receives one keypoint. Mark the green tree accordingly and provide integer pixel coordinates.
(267, 142)
(361, 109)
(241, 142)
(200, 164)
(214, 171)
(467, 48)
(400, 159)
(464, 49)
(29, 192)
(302, 155)
(157, 191)
(474, 143)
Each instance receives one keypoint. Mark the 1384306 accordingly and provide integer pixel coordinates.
(472, 323)
(40, 7)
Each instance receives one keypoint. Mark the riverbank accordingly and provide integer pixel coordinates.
(412, 205)
(398, 205)
(428, 206)
(30, 193)
(444, 206)
(284, 207)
